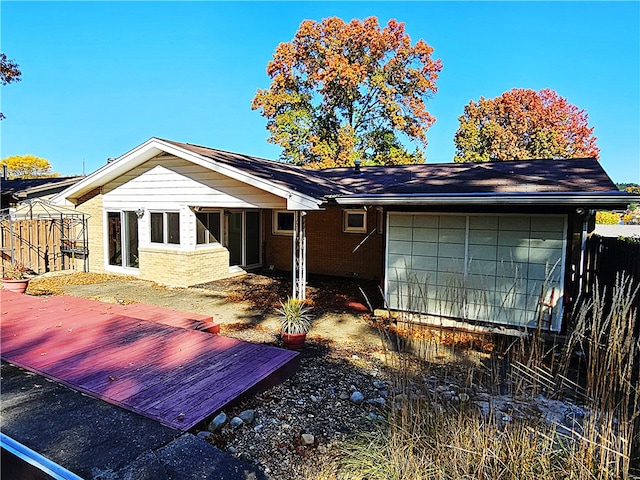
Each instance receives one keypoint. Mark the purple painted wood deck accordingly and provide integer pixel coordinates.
(144, 360)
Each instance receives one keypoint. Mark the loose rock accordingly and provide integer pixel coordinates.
(247, 416)
(307, 439)
(236, 422)
(218, 422)
(356, 397)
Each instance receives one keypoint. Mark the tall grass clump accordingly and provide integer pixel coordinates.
(424, 437)
(604, 336)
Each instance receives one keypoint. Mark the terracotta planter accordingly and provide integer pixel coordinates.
(294, 341)
(18, 286)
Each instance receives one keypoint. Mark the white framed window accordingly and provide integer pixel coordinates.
(165, 227)
(208, 228)
(283, 222)
(354, 221)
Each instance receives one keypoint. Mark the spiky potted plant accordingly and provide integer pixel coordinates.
(295, 321)
(15, 277)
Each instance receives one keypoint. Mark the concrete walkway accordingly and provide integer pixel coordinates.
(99, 441)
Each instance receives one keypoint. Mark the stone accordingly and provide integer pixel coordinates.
(356, 397)
(204, 434)
(315, 399)
(218, 422)
(485, 407)
(378, 384)
(322, 449)
(377, 401)
(307, 439)
(236, 422)
(247, 416)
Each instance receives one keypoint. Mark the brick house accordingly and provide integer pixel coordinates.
(498, 243)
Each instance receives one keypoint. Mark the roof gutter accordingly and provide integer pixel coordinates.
(604, 199)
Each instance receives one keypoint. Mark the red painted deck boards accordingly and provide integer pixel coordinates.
(150, 361)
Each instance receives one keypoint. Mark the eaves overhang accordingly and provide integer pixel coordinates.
(591, 200)
(153, 147)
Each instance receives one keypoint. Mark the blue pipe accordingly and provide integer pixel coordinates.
(34, 458)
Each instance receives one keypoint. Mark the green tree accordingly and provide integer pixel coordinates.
(342, 92)
(523, 124)
(27, 166)
(9, 72)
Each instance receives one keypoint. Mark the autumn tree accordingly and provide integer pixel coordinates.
(523, 124)
(27, 166)
(342, 92)
(9, 72)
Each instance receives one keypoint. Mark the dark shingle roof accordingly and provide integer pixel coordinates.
(517, 176)
(25, 186)
(309, 182)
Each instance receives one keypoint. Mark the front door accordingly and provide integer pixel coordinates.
(243, 238)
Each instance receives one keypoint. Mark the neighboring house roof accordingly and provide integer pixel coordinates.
(582, 182)
(617, 230)
(19, 189)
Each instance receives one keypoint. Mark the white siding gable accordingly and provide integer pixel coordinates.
(170, 183)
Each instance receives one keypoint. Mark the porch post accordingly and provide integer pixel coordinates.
(299, 265)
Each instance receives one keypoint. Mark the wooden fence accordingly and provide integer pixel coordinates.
(606, 258)
(44, 244)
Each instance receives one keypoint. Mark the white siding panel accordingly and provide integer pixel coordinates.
(158, 184)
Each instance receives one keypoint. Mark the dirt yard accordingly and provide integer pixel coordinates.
(238, 303)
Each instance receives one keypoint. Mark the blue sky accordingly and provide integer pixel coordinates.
(99, 78)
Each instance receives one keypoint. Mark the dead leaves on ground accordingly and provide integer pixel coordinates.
(54, 285)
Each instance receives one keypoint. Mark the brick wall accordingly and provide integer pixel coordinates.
(183, 268)
(329, 250)
(91, 205)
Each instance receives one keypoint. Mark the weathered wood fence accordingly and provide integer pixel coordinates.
(45, 245)
(606, 257)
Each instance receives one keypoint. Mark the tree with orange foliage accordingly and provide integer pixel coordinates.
(9, 73)
(342, 92)
(523, 124)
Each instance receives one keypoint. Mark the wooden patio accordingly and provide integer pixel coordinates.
(160, 363)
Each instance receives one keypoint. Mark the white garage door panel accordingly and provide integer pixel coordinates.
(492, 268)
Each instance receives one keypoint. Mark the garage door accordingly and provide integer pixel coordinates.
(505, 269)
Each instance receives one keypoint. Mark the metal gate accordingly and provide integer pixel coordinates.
(45, 237)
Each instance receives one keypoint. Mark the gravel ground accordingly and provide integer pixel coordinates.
(344, 385)
(344, 354)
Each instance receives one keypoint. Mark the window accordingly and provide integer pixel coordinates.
(207, 228)
(165, 227)
(355, 221)
(282, 223)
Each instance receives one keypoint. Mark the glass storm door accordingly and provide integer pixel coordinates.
(235, 239)
(123, 242)
(244, 238)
